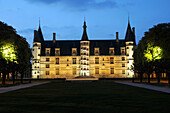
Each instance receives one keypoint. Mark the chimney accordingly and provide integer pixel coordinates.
(35, 33)
(54, 37)
(133, 31)
(117, 36)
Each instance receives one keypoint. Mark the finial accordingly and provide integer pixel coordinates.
(39, 21)
(84, 18)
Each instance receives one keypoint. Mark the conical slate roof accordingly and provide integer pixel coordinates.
(129, 34)
(84, 37)
(39, 36)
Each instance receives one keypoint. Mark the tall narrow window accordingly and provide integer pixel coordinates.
(57, 51)
(47, 72)
(123, 51)
(96, 70)
(97, 60)
(111, 51)
(96, 51)
(112, 71)
(57, 60)
(74, 51)
(111, 60)
(57, 71)
(47, 51)
(74, 60)
(74, 71)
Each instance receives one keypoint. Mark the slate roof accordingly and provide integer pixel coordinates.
(129, 34)
(66, 46)
(39, 36)
(84, 37)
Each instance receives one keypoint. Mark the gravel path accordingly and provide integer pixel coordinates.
(151, 87)
(12, 88)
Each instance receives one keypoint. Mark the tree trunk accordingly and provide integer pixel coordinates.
(22, 75)
(158, 78)
(13, 77)
(149, 78)
(3, 78)
(141, 77)
(168, 74)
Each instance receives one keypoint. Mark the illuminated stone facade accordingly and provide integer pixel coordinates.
(97, 58)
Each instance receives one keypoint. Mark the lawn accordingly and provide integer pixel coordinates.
(84, 97)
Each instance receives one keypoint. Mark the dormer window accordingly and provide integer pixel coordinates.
(74, 51)
(111, 51)
(57, 51)
(122, 51)
(47, 51)
(96, 51)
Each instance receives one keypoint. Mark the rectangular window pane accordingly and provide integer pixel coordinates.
(47, 73)
(97, 60)
(57, 60)
(111, 60)
(74, 71)
(57, 71)
(97, 70)
(112, 71)
(74, 60)
(47, 59)
(47, 66)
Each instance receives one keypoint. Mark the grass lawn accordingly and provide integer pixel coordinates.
(84, 97)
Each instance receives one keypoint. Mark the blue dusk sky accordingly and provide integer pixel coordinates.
(65, 17)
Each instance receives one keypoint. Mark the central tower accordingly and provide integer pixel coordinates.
(84, 52)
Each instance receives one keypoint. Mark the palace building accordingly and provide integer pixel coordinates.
(84, 58)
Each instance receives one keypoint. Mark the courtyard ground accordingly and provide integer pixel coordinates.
(84, 97)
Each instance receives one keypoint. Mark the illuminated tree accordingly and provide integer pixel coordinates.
(153, 51)
(15, 51)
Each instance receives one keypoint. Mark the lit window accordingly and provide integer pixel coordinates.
(97, 60)
(74, 71)
(111, 51)
(112, 71)
(57, 71)
(47, 51)
(57, 51)
(57, 60)
(74, 60)
(123, 71)
(47, 66)
(123, 51)
(123, 65)
(111, 60)
(74, 51)
(47, 59)
(96, 51)
(47, 73)
(96, 70)
(123, 58)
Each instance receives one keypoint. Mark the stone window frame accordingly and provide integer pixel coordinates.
(111, 51)
(47, 51)
(96, 51)
(57, 51)
(74, 51)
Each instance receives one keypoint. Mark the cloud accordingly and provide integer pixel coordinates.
(80, 5)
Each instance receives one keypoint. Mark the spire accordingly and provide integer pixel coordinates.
(129, 34)
(84, 37)
(39, 36)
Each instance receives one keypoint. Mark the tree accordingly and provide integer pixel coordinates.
(154, 51)
(14, 50)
